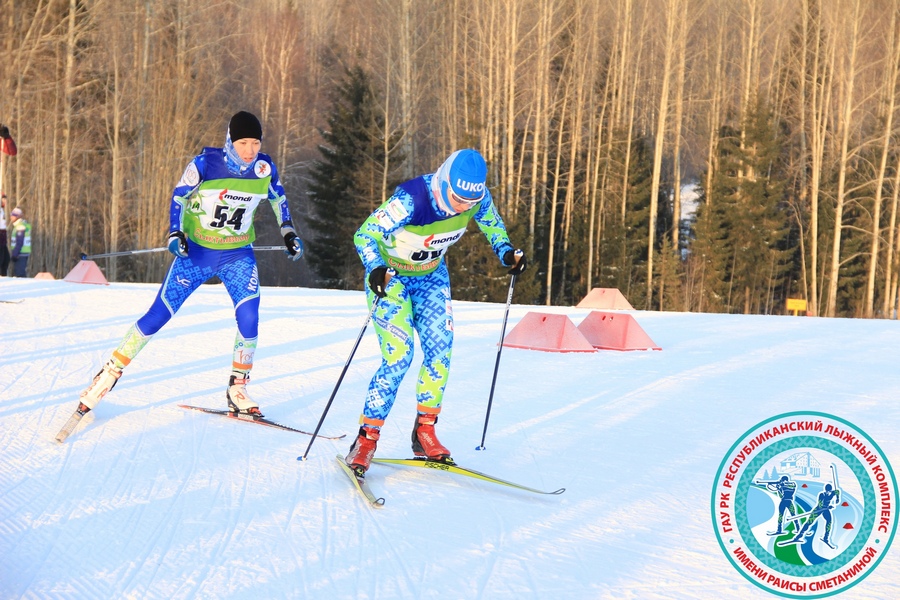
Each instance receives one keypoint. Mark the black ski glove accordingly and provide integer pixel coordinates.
(292, 242)
(378, 280)
(509, 259)
(178, 244)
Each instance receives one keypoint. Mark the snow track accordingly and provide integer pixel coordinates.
(147, 500)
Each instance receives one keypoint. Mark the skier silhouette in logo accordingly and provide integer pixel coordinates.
(785, 489)
(822, 509)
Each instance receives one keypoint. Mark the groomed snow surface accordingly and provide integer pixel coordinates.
(148, 500)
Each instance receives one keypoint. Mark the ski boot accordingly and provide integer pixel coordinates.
(360, 455)
(239, 400)
(103, 382)
(425, 442)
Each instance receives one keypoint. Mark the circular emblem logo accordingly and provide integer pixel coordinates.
(191, 175)
(804, 505)
(262, 168)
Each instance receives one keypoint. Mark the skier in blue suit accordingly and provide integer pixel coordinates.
(785, 488)
(211, 234)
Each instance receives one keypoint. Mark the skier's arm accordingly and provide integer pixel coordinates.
(278, 199)
(279, 203)
(493, 228)
(395, 213)
(190, 180)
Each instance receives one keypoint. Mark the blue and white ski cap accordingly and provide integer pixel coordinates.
(466, 173)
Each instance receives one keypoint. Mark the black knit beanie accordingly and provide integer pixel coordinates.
(244, 125)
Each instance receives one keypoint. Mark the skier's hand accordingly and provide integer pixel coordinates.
(378, 280)
(516, 260)
(178, 244)
(292, 243)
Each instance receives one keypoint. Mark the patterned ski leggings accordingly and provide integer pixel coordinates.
(414, 304)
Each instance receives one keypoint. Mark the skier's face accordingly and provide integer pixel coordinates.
(247, 149)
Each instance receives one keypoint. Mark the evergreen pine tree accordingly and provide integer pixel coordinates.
(740, 253)
(345, 184)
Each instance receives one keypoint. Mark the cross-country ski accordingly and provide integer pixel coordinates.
(452, 467)
(258, 420)
(360, 483)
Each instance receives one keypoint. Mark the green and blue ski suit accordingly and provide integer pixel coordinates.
(410, 233)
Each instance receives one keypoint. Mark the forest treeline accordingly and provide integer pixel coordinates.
(698, 155)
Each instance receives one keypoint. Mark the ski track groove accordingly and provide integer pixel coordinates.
(234, 521)
(286, 530)
(196, 583)
(491, 567)
(196, 443)
(136, 516)
(367, 517)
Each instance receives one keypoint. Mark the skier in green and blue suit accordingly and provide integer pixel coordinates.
(825, 503)
(211, 234)
(402, 246)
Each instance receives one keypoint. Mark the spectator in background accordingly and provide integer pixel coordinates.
(21, 248)
(7, 146)
(4, 241)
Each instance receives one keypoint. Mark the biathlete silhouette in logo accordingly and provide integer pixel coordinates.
(822, 509)
(785, 489)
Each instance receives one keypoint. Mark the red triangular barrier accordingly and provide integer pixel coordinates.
(848, 526)
(86, 271)
(615, 331)
(609, 298)
(44, 275)
(547, 332)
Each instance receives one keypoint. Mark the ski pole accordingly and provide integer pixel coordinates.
(130, 252)
(123, 253)
(512, 285)
(341, 378)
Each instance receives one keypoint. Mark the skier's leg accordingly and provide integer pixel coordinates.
(394, 328)
(783, 506)
(240, 276)
(433, 318)
(826, 537)
(182, 279)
